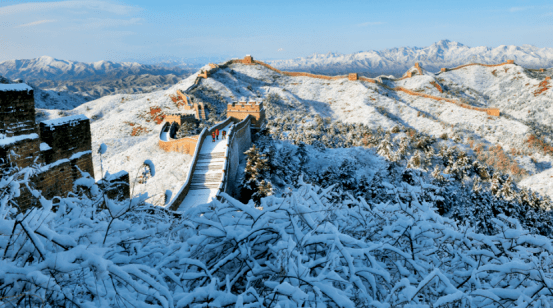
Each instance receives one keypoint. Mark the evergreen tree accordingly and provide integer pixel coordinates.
(385, 148)
(256, 181)
(416, 160)
(186, 129)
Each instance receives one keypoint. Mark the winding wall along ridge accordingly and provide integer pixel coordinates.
(250, 61)
(480, 64)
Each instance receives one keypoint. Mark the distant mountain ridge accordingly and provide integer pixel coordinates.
(396, 61)
(63, 84)
(49, 68)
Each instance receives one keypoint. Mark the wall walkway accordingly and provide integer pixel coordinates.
(214, 166)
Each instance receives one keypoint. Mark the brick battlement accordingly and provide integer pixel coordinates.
(245, 106)
(180, 118)
(17, 110)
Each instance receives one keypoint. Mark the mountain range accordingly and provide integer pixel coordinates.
(49, 68)
(396, 61)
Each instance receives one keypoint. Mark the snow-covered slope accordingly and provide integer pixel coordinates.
(395, 61)
(127, 125)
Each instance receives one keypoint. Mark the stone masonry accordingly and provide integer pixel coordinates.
(17, 110)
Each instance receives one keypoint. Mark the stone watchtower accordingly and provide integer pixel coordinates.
(240, 110)
(248, 59)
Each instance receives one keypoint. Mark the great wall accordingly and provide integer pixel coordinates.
(58, 149)
(248, 60)
(252, 113)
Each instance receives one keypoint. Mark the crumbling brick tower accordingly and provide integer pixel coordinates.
(241, 110)
(61, 148)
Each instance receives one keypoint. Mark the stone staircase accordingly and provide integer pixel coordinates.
(209, 171)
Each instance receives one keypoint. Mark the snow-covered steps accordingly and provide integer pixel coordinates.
(208, 173)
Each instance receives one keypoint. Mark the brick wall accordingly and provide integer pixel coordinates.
(353, 76)
(17, 113)
(437, 85)
(116, 185)
(82, 162)
(480, 64)
(55, 179)
(185, 145)
(26, 151)
(66, 136)
(418, 67)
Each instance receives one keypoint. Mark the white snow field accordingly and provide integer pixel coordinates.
(508, 87)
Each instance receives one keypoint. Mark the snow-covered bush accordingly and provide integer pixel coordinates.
(303, 250)
(300, 250)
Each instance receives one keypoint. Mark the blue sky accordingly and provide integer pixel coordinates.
(90, 30)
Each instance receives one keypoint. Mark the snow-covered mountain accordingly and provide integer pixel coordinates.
(62, 84)
(185, 63)
(46, 67)
(368, 228)
(396, 61)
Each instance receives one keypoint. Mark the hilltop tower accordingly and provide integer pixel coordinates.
(240, 110)
(248, 59)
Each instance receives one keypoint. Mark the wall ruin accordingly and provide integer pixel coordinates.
(61, 148)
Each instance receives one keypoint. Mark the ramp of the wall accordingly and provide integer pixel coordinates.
(240, 143)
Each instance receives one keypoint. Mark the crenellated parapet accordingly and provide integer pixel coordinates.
(180, 118)
(240, 110)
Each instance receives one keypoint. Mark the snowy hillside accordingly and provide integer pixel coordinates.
(509, 87)
(339, 206)
(129, 125)
(395, 61)
(526, 110)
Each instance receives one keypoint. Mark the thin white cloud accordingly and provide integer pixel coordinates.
(520, 8)
(370, 23)
(34, 23)
(104, 6)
